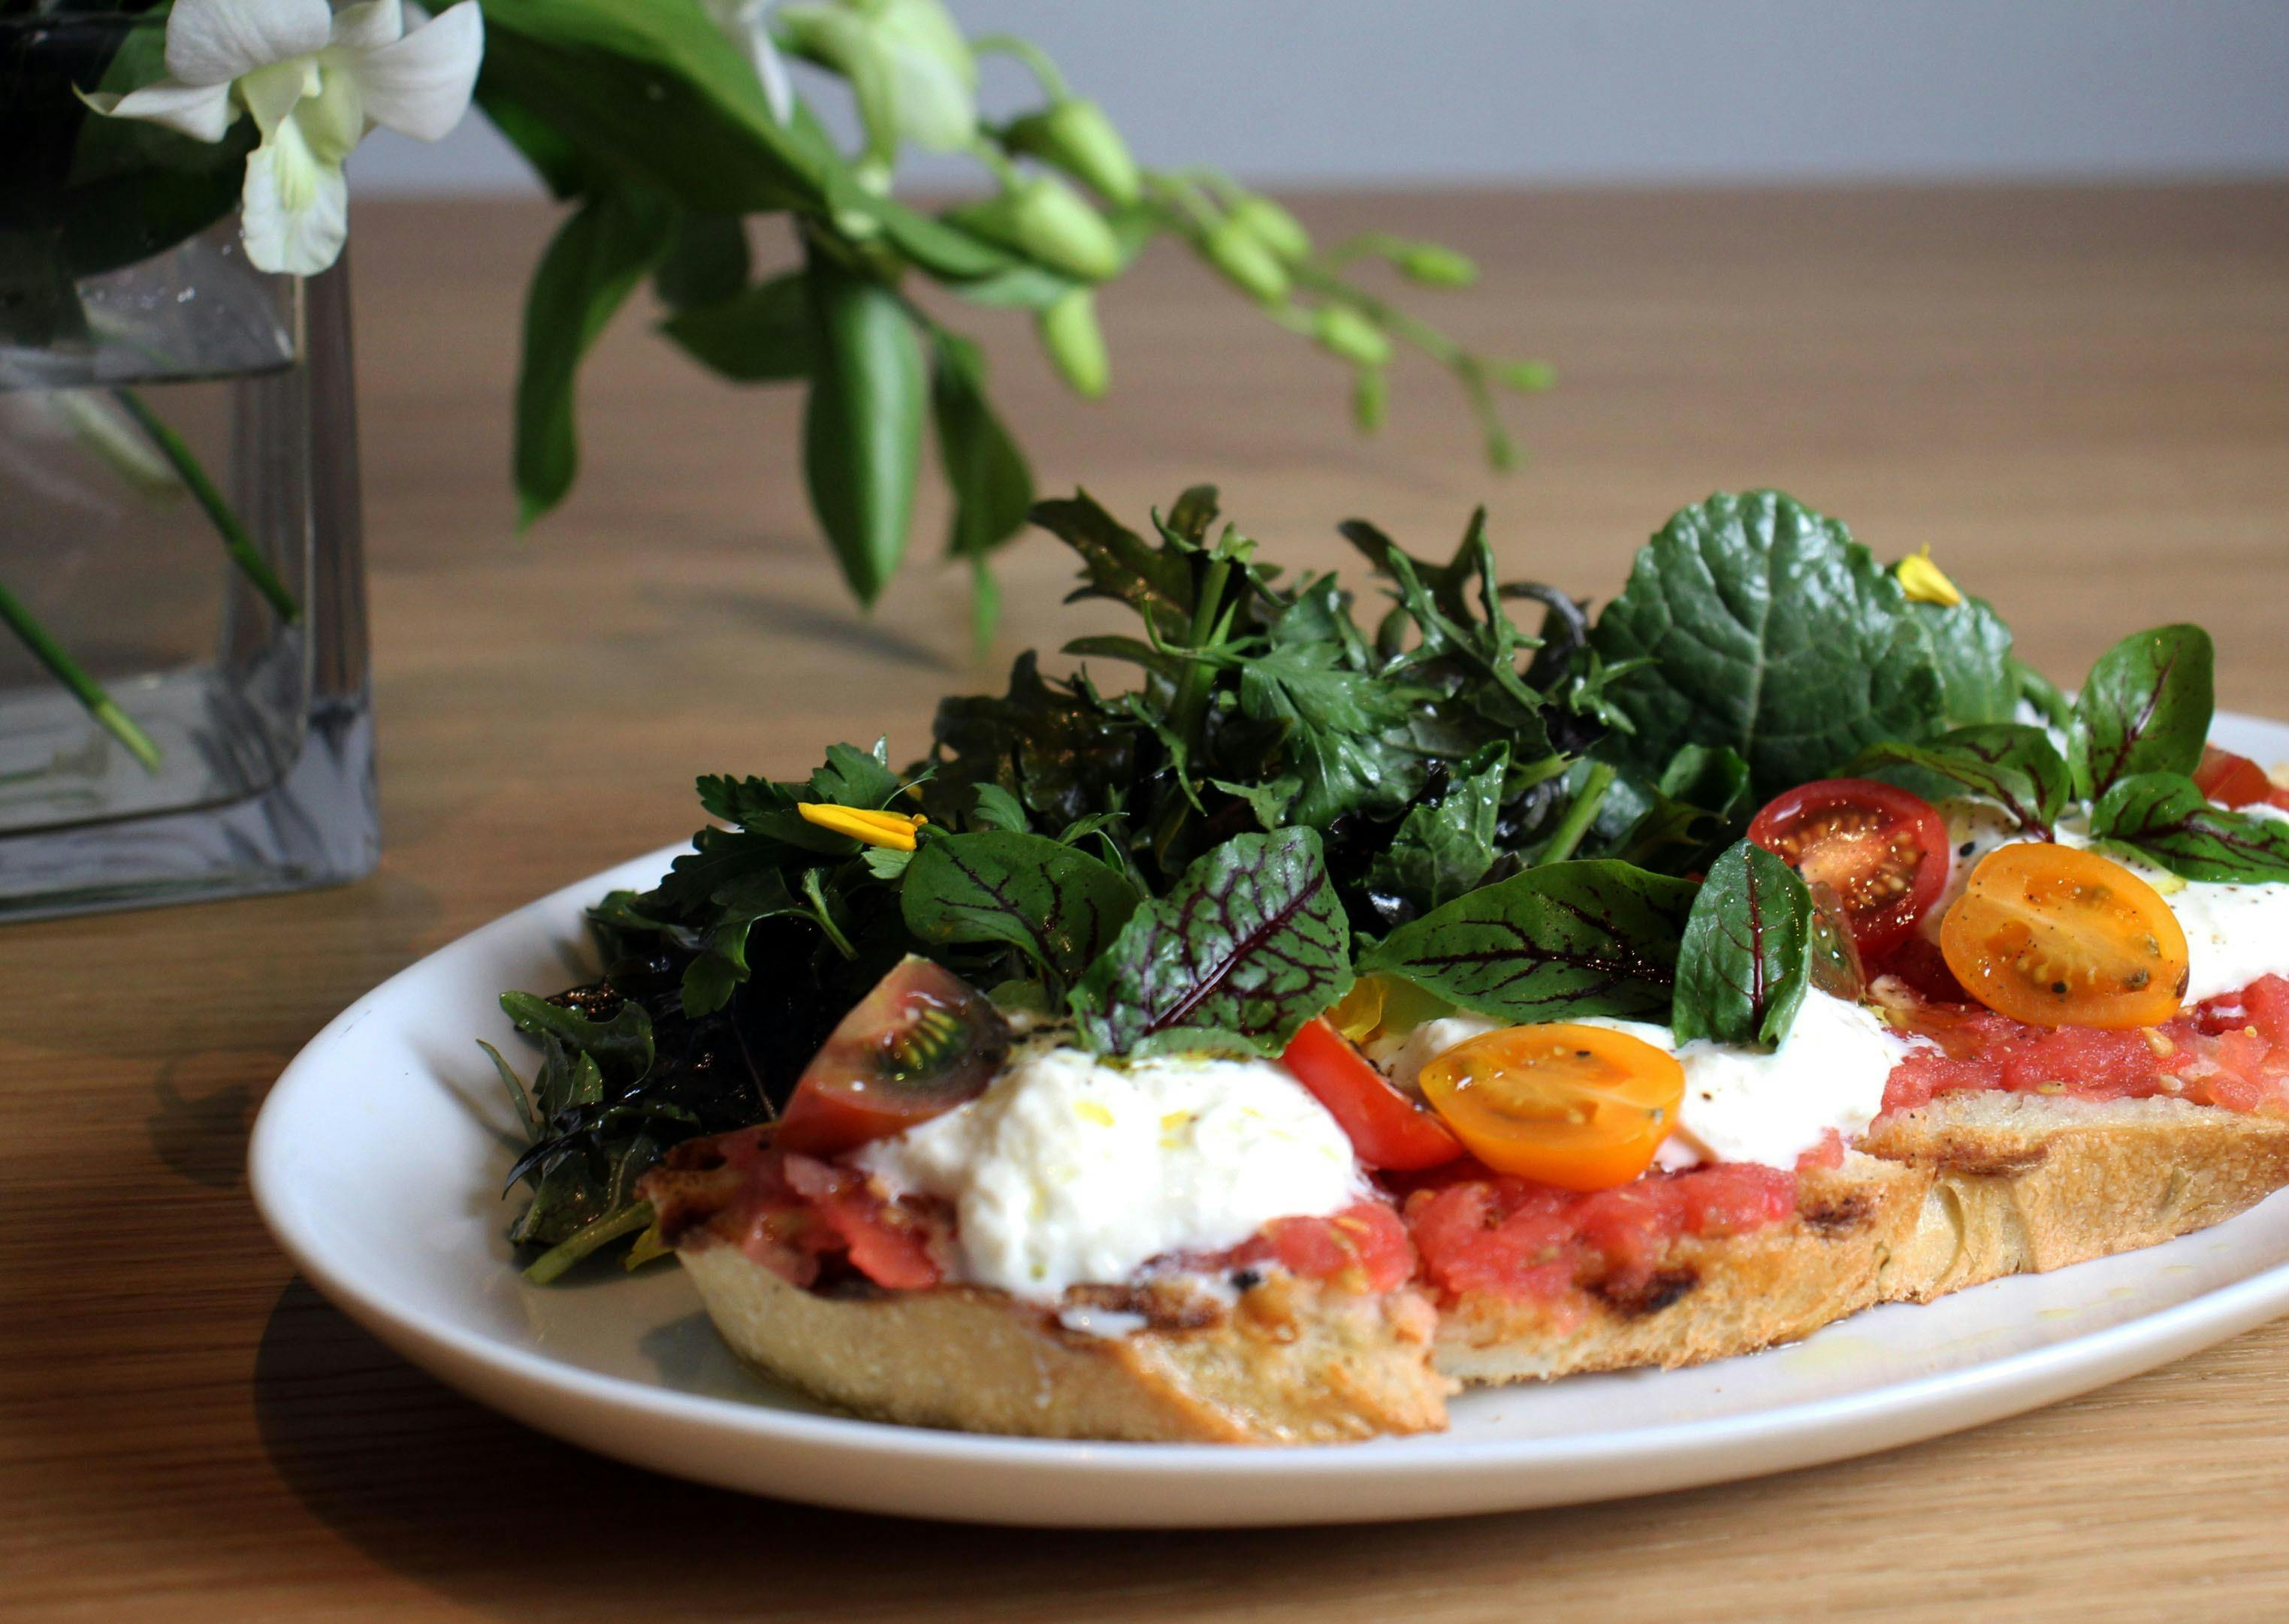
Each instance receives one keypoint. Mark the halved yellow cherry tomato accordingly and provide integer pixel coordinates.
(1580, 1107)
(2054, 937)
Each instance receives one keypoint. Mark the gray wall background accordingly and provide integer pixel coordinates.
(1334, 93)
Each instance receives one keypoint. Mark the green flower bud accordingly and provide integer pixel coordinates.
(1077, 138)
(1526, 377)
(913, 72)
(1274, 227)
(1435, 265)
(1245, 261)
(1370, 393)
(1069, 332)
(1050, 224)
(1343, 332)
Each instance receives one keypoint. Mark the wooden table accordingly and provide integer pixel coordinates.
(2079, 400)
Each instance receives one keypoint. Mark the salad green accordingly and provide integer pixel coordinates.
(1535, 821)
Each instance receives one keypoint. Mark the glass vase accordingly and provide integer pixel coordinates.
(179, 516)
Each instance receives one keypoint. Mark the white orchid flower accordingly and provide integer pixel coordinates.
(317, 80)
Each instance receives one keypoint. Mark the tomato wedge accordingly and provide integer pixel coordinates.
(919, 1043)
(1882, 850)
(1580, 1107)
(1386, 1129)
(2054, 937)
(2237, 781)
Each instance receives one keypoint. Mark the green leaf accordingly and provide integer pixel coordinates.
(2145, 708)
(2165, 816)
(1118, 564)
(2045, 695)
(1553, 944)
(1744, 964)
(1444, 850)
(1677, 825)
(133, 187)
(653, 90)
(1062, 754)
(1058, 906)
(862, 428)
(760, 336)
(1270, 800)
(855, 777)
(1134, 650)
(710, 979)
(996, 807)
(1248, 945)
(562, 168)
(1346, 728)
(621, 1046)
(706, 261)
(2015, 766)
(1772, 632)
(594, 262)
(1023, 286)
(993, 488)
(1970, 646)
(84, 194)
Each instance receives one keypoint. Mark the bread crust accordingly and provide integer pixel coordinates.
(1713, 1296)
(1973, 1187)
(2022, 1184)
(1289, 1361)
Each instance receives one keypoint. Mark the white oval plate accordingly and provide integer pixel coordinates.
(377, 1158)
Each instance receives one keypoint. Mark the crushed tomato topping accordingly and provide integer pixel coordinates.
(1486, 1232)
(2231, 1052)
(805, 1220)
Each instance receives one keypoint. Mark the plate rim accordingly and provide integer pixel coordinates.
(1904, 1411)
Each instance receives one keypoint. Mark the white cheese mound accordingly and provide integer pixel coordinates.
(1740, 1104)
(1745, 1105)
(1067, 1169)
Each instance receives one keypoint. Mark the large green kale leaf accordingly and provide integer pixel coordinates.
(1771, 631)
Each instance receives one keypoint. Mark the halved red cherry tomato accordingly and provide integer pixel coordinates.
(920, 1043)
(1580, 1107)
(1386, 1129)
(2237, 781)
(2054, 937)
(1881, 849)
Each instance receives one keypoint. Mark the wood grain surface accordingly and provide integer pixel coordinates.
(2078, 399)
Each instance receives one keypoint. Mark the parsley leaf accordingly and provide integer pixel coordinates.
(1445, 848)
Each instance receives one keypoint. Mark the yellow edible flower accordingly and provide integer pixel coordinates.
(1361, 1010)
(895, 830)
(1925, 582)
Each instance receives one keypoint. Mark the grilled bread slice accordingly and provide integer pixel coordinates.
(1973, 1187)
(1274, 1358)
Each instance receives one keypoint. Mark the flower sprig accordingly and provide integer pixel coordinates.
(670, 126)
(1067, 211)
